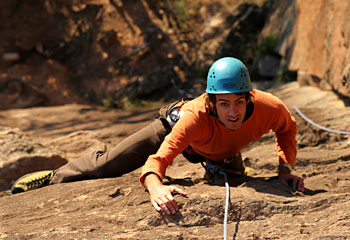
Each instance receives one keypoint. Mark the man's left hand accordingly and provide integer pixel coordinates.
(291, 180)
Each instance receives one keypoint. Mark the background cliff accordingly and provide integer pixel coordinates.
(112, 52)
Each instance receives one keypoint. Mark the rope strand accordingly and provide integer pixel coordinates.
(215, 169)
(226, 205)
(317, 125)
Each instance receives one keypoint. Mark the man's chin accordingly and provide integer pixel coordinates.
(231, 127)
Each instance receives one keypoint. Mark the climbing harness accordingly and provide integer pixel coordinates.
(215, 169)
(317, 125)
(175, 113)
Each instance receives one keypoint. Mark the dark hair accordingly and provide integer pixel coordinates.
(211, 99)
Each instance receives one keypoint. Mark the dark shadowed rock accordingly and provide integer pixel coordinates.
(267, 67)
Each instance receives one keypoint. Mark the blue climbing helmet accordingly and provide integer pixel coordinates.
(228, 75)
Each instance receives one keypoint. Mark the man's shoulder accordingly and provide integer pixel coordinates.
(262, 94)
(196, 105)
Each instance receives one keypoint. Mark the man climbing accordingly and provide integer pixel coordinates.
(212, 128)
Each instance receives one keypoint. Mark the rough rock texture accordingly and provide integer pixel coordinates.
(103, 52)
(119, 208)
(85, 51)
(49, 137)
(231, 32)
(314, 40)
(20, 155)
(326, 58)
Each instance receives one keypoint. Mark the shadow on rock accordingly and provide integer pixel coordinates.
(179, 181)
(274, 186)
(271, 185)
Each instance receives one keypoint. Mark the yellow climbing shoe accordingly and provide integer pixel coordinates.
(248, 170)
(32, 181)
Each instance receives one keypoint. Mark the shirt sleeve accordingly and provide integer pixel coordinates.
(285, 130)
(187, 129)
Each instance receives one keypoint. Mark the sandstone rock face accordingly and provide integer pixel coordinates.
(20, 155)
(322, 36)
(109, 50)
(50, 137)
(83, 52)
(102, 51)
(314, 41)
(261, 207)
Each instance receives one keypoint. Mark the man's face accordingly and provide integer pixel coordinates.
(231, 109)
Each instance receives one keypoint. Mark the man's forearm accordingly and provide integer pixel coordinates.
(283, 170)
(152, 180)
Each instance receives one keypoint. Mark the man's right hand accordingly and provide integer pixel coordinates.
(161, 196)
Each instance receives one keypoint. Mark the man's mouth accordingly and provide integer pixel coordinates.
(233, 119)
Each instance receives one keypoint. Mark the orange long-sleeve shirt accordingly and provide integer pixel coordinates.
(210, 138)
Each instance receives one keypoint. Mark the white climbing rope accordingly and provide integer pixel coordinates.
(226, 205)
(317, 125)
(215, 169)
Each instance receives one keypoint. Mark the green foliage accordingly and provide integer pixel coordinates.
(179, 7)
(182, 9)
(284, 75)
(135, 103)
(198, 72)
(267, 45)
(257, 2)
(129, 103)
(108, 102)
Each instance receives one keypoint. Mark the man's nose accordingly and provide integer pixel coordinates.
(231, 110)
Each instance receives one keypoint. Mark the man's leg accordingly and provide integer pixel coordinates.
(234, 166)
(125, 157)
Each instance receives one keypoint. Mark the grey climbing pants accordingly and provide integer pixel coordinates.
(127, 156)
